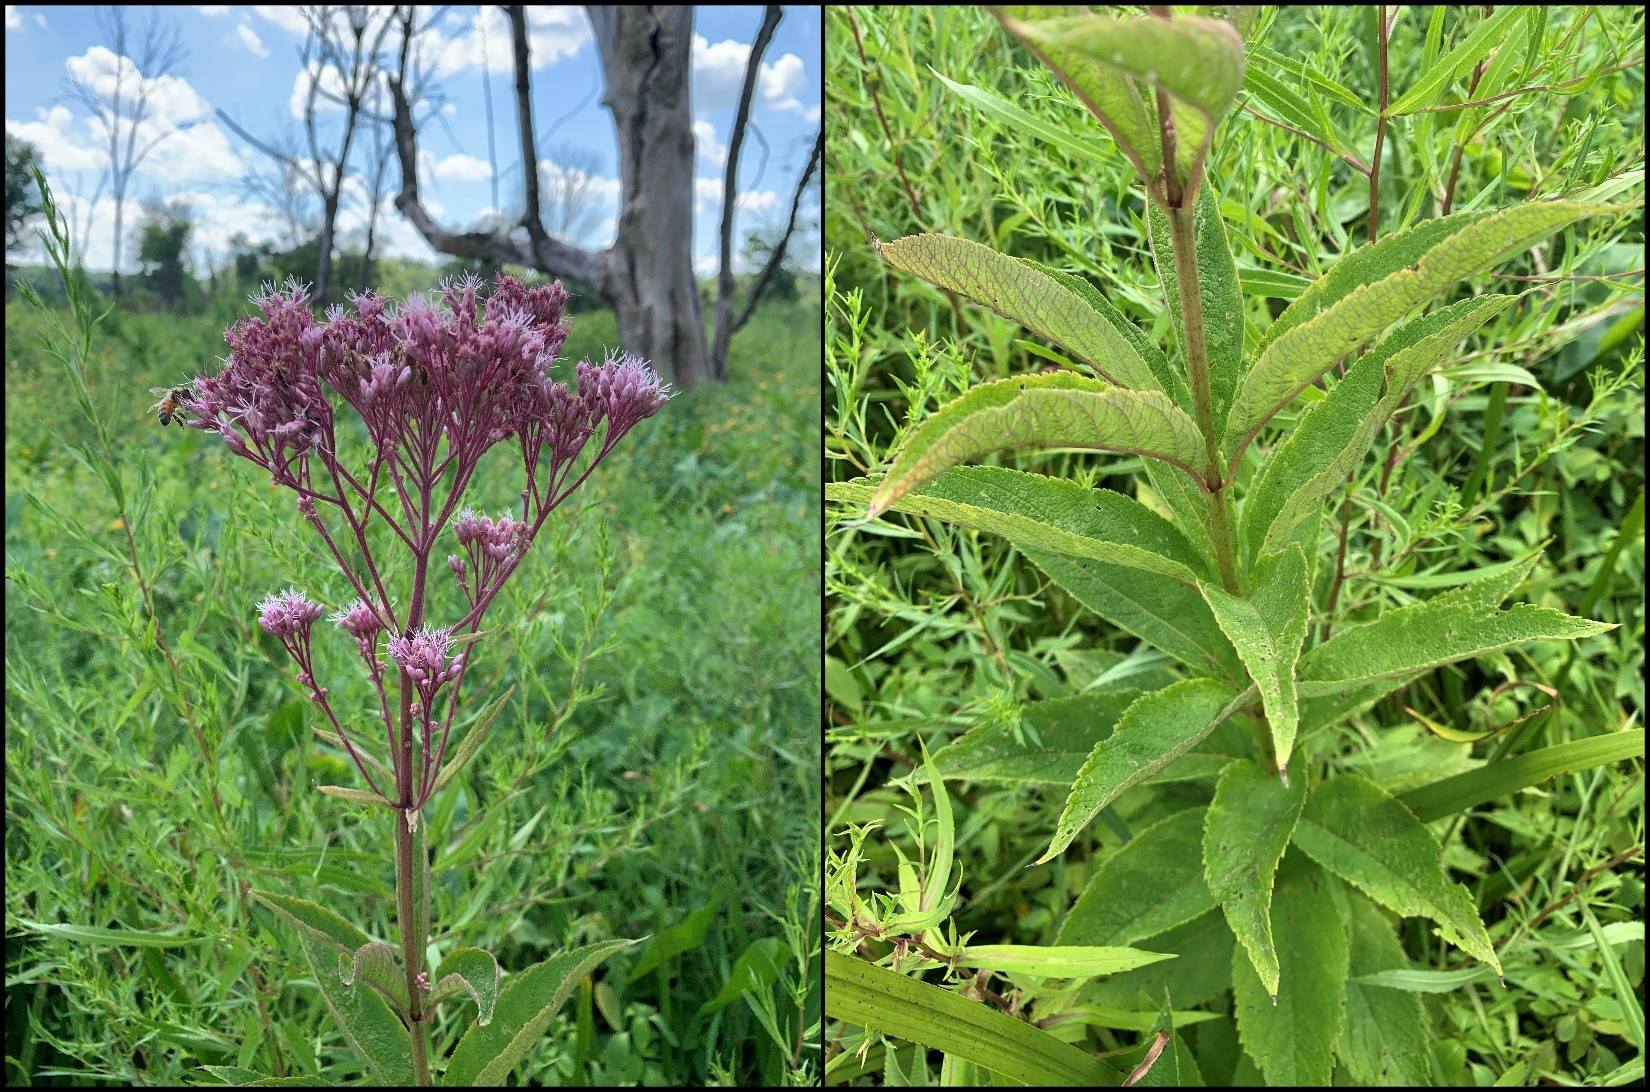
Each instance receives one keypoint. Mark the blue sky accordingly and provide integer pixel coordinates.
(244, 61)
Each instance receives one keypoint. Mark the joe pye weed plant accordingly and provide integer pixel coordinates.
(1230, 572)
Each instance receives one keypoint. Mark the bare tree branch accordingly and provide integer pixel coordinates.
(777, 257)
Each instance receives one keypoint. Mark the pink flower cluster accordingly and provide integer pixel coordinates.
(437, 385)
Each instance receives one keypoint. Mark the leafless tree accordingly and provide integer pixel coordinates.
(283, 185)
(726, 324)
(646, 275)
(121, 107)
(341, 58)
(572, 197)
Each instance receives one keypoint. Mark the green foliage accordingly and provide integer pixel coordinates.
(1305, 546)
(651, 748)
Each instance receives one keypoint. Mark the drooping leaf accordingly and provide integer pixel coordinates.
(1149, 886)
(1026, 293)
(1031, 510)
(374, 962)
(1154, 731)
(487, 1054)
(1218, 289)
(1385, 1040)
(1197, 62)
(1375, 286)
(1158, 609)
(1060, 961)
(1245, 832)
(1355, 830)
(1267, 629)
(1292, 1041)
(1052, 409)
(468, 970)
(1427, 635)
(905, 1008)
(1054, 741)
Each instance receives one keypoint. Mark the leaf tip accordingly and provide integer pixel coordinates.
(1274, 1000)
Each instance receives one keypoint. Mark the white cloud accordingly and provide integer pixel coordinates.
(14, 18)
(710, 149)
(212, 11)
(249, 38)
(289, 19)
(463, 43)
(462, 168)
(719, 74)
(707, 196)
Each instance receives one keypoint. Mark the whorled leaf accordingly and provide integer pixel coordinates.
(1031, 510)
(1245, 831)
(1158, 728)
(1375, 286)
(1267, 629)
(1024, 292)
(1355, 830)
(1053, 409)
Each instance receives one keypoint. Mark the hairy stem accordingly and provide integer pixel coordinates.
(1196, 349)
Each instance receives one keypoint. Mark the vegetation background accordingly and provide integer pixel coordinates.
(1540, 438)
(655, 770)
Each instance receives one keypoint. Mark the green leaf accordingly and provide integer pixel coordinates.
(1270, 283)
(1267, 629)
(1245, 832)
(474, 736)
(1334, 435)
(1355, 830)
(1024, 292)
(1508, 775)
(936, 901)
(1385, 1040)
(1053, 409)
(1473, 48)
(1031, 510)
(1217, 284)
(1063, 961)
(1197, 62)
(1158, 728)
(1110, 95)
(1414, 980)
(1203, 971)
(1375, 286)
(1055, 740)
(1158, 609)
(1292, 1040)
(904, 1008)
(670, 942)
(358, 796)
(1427, 635)
(91, 934)
(755, 971)
(487, 1054)
(370, 1026)
(468, 970)
(375, 963)
(1149, 886)
(1025, 124)
(315, 921)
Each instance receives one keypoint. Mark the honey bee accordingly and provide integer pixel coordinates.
(167, 408)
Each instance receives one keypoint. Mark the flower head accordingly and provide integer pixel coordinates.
(423, 656)
(289, 614)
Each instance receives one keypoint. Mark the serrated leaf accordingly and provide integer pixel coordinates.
(313, 920)
(1154, 731)
(1385, 1040)
(468, 970)
(1427, 635)
(1334, 435)
(1197, 62)
(1245, 832)
(374, 962)
(1375, 286)
(1163, 611)
(905, 1008)
(487, 1054)
(1053, 409)
(1110, 95)
(1031, 510)
(1267, 629)
(1052, 306)
(1055, 740)
(1059, 961)
(371, 1027)
(1217, 287)
(1355, 830)
(1149, 886)
(1292, 1041)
